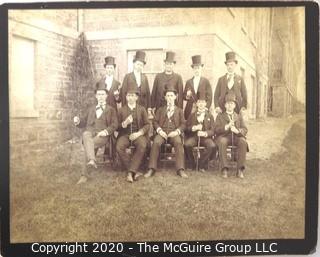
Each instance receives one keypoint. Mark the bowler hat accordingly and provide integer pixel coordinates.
(169, 88)
(231, 57)
(196, 60)
(109, 60)
(170, 57)
(133, 90)
(140, 56)
(230, 97)
(100, 85)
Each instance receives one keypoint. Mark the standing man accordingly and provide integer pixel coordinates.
(196, 87)
(133, 130)
(231, 130)
(230, 82)
(168, 77)
(110, 83)
(137, 80)
(100, 122)
(169, 124)
(199, 132)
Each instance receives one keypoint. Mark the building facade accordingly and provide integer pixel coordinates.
(47, 59)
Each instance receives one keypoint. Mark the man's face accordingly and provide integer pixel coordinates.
(231, 66)
(109, 70)
(168, 67)
(101, 96)
(170, 97)
(230, 105)
(131, 98)
(197, 70)
(138, 66)
(201, 104)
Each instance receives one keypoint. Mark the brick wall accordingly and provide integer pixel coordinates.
(54, 92)
(46, 18)
(105, 19)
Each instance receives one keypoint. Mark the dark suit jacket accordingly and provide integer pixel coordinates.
(129, 81)
(89, 119)
(142, 118)
(223, 119)
(157, 97)
(178, 119)
(239, 88)
(115, 86)
(208, 124)
(204, 89)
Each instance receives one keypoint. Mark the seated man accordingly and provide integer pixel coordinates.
(133, 130)
(231, 130)
(169, 124)
(100, 122)
(199, 132)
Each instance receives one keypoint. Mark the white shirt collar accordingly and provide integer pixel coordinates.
(131, 107)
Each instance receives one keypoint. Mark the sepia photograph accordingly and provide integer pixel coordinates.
(157, 124)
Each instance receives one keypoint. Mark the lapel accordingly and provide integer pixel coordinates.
(224, 84)
(134, 78)
(113, 86)
(237, 80)
(192, 87)
(226, 117)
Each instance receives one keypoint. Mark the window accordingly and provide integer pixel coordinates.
(22, 77)
(154, 63)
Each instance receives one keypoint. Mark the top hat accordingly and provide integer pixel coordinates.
(109, 60)
(169, 88)
(231, 57)
(133, 90)
(100, 85)
(140, 56)
(170, 57)
(231, 97)
(196, 60)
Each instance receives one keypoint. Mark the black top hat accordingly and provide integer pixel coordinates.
(230, 97)
(231, 57)
(196, 60)
(169, 88)
(170, 57)
(100, 85)
(109, 60)
(133, 90)
(140, 56)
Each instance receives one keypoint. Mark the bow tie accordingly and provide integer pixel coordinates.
(102, 107)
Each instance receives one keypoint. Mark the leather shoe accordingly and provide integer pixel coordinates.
(182, 173)
(92, 163)
(240, 174)
(129, 177)
(83, 179)
(224, 173)
(149, 173)
(137, 175)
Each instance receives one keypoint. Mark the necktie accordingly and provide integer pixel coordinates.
(170, 110)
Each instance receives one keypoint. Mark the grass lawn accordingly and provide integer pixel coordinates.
(46, 205)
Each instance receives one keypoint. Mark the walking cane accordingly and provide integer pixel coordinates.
(198, 154)
(232, 152)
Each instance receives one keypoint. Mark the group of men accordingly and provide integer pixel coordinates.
(161, 111)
